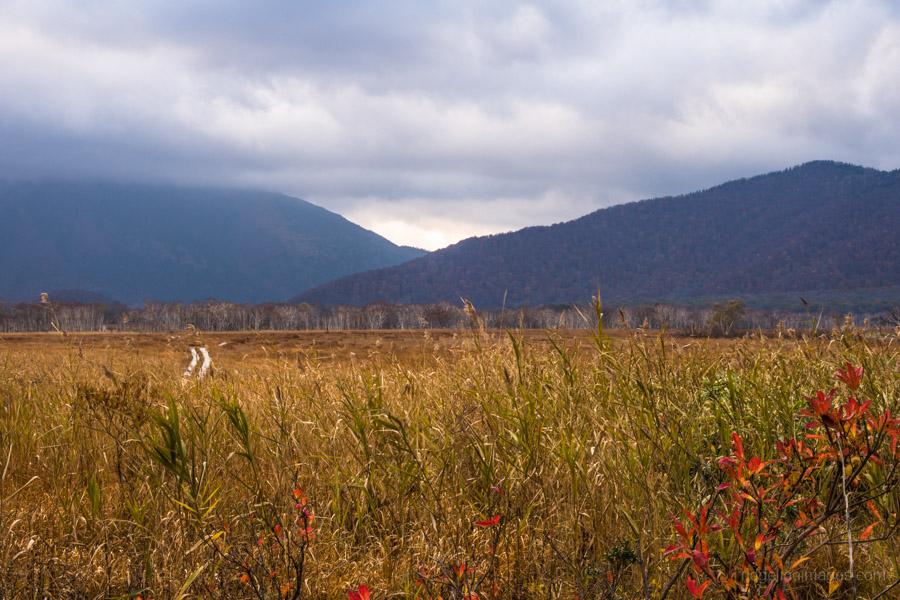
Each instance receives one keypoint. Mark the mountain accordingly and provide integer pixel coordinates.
(820, 226)
(134, 241)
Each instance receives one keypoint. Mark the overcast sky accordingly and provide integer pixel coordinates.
(433, 121)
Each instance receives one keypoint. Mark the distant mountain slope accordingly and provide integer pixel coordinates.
(819, 226)
(132, 242)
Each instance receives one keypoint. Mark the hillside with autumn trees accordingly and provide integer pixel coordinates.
(821, 227)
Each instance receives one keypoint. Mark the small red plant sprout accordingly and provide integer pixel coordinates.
(362, 593)
(820, 411)
(490, 522)
(688, 547)
(266, 555)
(697, 590)
(738, 468)
(851, 376)
(461, 570)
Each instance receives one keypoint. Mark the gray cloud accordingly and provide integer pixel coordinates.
(429, 122)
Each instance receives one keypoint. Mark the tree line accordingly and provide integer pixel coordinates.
(725, 318)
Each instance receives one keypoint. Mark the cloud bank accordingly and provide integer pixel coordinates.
(430, 122)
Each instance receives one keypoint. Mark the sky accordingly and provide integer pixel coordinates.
(430, 122)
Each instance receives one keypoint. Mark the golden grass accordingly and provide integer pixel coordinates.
(399, 441)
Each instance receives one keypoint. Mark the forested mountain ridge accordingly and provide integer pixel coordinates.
(818, 226)
(133, 241)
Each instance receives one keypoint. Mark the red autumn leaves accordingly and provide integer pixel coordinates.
(489, 522)
(459, 571)
(852, 376)
(361, 593)
(773, 505)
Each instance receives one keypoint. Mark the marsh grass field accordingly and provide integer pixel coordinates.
(451, 464)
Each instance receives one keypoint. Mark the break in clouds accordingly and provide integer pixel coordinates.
(431, 122)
